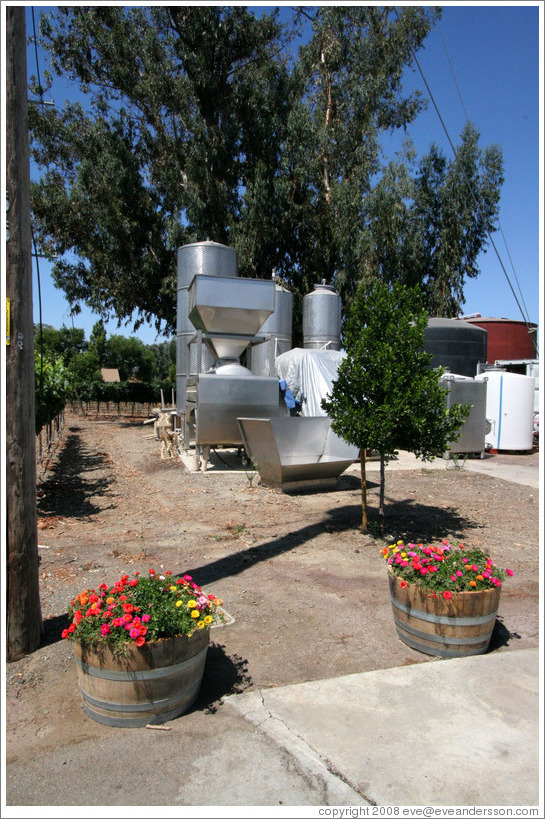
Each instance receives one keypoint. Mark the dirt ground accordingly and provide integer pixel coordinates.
(305, 591)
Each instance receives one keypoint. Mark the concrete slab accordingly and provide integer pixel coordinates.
(522, 468)
(464, 731)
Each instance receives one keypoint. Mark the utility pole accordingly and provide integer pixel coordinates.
(24, 617)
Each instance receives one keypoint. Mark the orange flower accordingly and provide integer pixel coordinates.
(479, 577)
(472, 583)
(384, 552)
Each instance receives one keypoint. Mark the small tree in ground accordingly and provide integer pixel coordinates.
(386, 397)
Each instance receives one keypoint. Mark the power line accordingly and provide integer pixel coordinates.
(470, 187)
(527, 317)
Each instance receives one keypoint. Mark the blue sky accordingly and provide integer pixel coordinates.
(495, 51)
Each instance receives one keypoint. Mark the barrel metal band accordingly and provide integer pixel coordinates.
(444, 620)
(158, 706)
(439, 652)
(149, 674)
(438, 638)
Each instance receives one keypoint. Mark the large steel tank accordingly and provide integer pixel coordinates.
(279, 329)
(455, 345)
(196, 259)
(507, 338)
(322, 318)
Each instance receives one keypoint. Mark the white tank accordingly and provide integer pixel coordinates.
(509, 409)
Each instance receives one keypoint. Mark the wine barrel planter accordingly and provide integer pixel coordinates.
(457, 627)
(148, 685)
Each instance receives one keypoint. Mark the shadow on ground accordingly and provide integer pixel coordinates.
(68, 489)
(224, 675)
(412, 520)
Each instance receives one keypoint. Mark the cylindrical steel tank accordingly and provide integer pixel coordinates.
(509, 409)
(322, 318)
(198, 258)
(279, 327)
(206, 259)
(455, 345)
(507, 339)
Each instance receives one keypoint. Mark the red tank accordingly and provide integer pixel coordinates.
(507, 339)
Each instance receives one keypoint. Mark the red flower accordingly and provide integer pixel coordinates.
(447, 595)
(140, 641)
(403, 584)
(65, 633)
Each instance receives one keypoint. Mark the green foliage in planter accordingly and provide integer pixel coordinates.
(141, 610)
(447, 569)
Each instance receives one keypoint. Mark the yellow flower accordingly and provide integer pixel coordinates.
(207, 619)
(179, 603)
(400, 543)
(191, 604)
(201, 624)
(403, 554)
(173, 588)
(195, 613)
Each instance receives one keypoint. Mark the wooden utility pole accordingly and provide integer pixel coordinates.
(24, 617)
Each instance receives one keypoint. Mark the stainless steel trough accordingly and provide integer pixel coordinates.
(296, 451)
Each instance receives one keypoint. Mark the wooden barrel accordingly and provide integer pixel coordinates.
(457, 627)
(147, 685)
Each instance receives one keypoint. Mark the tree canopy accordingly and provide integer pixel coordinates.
(386, 396)
(209, 122)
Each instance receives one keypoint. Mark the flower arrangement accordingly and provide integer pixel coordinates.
(141, 610)
(444, 569)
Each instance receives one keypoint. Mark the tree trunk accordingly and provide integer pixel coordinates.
(381, 498)
(24, 617)
(363, 492)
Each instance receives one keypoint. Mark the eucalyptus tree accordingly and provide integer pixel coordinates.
(429, 219)
(349, 92)
(176, 111)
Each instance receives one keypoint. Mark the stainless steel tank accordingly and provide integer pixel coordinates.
(322, 318)
(205, 259)
(196, 259)
(279, 327)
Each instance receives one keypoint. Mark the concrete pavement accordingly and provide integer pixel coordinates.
(463, 731)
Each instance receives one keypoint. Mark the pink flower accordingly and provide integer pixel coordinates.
(134, 633)
(509, 572)
(146, 618)
(447, 595)
(104, 629)
(453, 578)
(459, 573)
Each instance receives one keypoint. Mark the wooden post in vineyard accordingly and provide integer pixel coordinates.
(24, 618)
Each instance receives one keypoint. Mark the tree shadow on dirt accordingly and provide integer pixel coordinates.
(71, 488)
(412, 521)
(409, 520)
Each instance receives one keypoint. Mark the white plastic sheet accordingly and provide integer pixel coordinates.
(309, 374)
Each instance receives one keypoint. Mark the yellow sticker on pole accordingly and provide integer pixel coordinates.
(8, 331)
